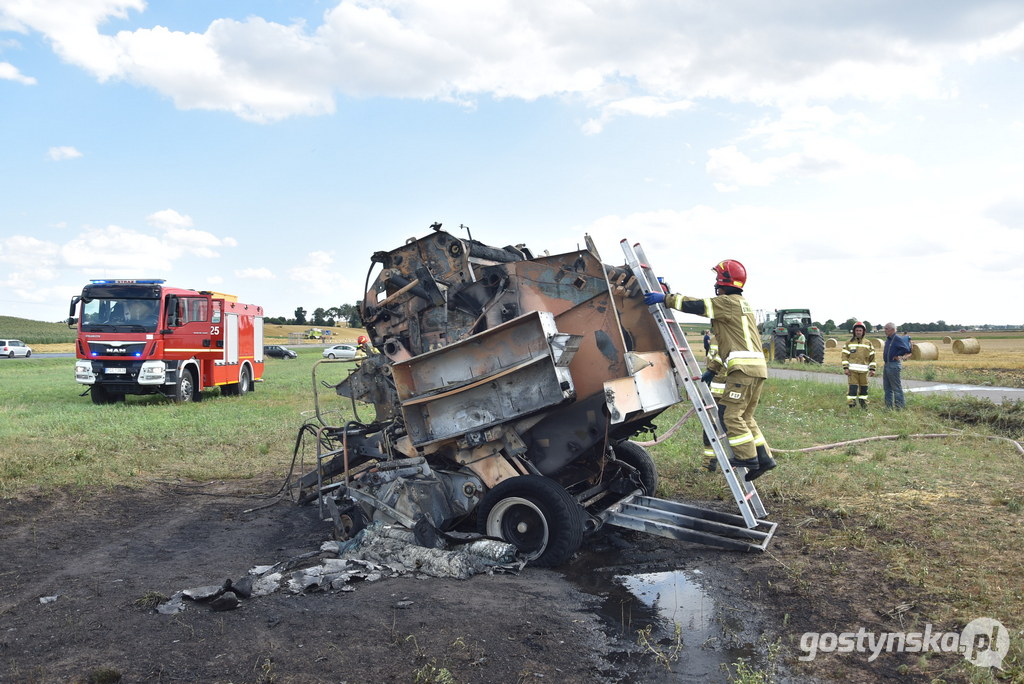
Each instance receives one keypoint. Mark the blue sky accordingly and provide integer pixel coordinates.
(861, 158)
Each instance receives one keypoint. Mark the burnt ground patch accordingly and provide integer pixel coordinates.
(108, 556)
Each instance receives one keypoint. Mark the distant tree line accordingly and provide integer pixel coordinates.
(847, 326)
(346, 313)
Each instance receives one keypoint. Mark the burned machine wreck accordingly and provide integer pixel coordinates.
(506, 387)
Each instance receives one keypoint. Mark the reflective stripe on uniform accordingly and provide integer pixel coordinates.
(745, 438)
(717, 387)
(709, 310)
(858, 367)
(739, 358)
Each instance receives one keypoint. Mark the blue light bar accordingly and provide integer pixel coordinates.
(151, 281)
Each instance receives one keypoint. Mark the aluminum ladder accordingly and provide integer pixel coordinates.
(747, 531)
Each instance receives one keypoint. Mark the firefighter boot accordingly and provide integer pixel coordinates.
(750, 463)
(764, 463)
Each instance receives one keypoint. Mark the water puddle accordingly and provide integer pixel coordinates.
(670, 625)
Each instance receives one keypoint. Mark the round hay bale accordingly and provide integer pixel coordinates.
(924, 351)
(947, 340)
(968, 345)
(831, 343)
(876, 343)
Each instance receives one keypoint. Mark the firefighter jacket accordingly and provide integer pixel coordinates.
(734, 327)
(716, 366)
(859, 356)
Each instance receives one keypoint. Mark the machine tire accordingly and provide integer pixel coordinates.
(816, 347)
(185, 390)
(349, 521)
(535, 514)
(635, 455)
(331, 357)
(779, 344)
(28, 354)
(10, 355)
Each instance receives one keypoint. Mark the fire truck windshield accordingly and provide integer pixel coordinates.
(120, 315)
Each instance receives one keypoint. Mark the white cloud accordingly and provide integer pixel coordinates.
(319, 275)
(803, 142)
(9, 72)
(181, 237)
(1003, 43)
(169, 219)
(62, 153)
(643, 59)
(116, 252)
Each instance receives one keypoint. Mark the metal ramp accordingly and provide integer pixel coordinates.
(747, 531)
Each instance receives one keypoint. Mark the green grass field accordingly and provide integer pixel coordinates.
(942, 516)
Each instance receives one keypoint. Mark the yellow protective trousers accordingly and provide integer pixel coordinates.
(858, 388)
(742, 393)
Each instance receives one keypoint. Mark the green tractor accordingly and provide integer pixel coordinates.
(777, 335)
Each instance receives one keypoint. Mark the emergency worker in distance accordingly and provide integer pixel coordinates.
(739, 347)
(858, 364)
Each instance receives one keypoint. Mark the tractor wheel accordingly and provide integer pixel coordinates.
(816, 347)
(781, 352)
(536, 515)
(635, 455)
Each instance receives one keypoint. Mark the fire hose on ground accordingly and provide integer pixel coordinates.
(836, 445)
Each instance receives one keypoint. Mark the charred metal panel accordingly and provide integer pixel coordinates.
(651, 386)
(490, 378)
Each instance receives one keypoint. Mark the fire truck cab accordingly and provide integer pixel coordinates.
(142, 337)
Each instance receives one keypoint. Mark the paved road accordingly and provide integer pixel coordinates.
(997, 394)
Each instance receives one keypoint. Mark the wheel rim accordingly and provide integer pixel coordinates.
(521, 523)
(243, 384)
(186, 388)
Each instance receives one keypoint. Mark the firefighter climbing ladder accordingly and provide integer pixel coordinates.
(746, 531)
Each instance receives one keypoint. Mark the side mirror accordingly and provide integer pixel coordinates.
(72, 321)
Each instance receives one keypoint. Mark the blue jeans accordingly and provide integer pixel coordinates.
(893, 385)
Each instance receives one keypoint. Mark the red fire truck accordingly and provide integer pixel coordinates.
(142, 337)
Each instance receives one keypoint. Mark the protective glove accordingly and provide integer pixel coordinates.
(707, 377)
(652, 298)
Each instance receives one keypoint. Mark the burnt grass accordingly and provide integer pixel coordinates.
(110, 556)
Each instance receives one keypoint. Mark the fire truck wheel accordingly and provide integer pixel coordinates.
(244, 382)
(100, 395)
(186, 388)
(635, 455)
(536, 515)
(243, 386)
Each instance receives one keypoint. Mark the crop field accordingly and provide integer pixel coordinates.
(999, 363)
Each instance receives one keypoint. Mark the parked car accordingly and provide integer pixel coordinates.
(278, 352)
(341, 351)
(12, 348)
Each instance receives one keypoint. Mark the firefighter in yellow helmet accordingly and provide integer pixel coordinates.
(739, 346)
(858, 364)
